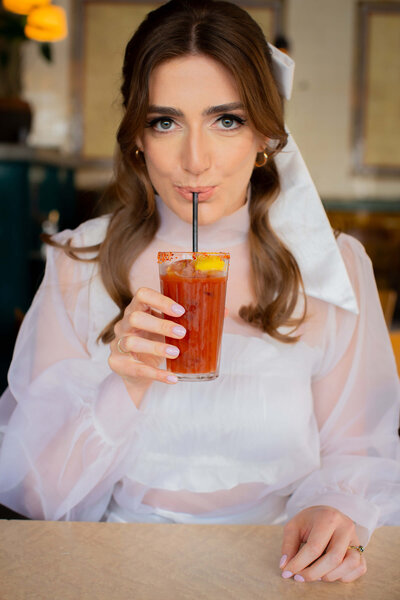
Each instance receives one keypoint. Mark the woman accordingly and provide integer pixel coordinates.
(300, 426)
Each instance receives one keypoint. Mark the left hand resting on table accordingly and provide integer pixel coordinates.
(323, 529)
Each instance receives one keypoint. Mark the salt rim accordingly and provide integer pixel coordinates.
(165, 257)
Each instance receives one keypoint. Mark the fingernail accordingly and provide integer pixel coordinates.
(287, 574)
(319, 579)
(177, 309)
(172, 351)
(172, 378)
(299, 578)
(179, 330)
(282, 561)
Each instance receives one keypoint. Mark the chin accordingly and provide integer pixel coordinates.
(207, 221)
(208, 215)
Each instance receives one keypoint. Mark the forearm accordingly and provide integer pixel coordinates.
(62, 452)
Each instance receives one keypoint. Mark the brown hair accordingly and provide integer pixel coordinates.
(228, 34)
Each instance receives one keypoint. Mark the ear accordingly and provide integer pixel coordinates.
(139, 143)
(263, 144)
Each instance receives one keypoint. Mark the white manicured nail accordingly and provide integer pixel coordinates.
(177, 309)
(179, 330)
(172, 351)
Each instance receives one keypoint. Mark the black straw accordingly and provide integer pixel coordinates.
(194, 221)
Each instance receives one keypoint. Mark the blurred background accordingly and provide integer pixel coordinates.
(60, 67)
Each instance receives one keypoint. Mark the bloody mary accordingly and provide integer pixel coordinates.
(197, 281)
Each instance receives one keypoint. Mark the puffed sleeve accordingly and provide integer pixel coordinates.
(356, 401)
(67, 423)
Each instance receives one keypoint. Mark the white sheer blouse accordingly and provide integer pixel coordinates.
(284, 427)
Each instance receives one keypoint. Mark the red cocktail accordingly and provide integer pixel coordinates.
(197, 281)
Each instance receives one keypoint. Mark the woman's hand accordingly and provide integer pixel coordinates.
(325, 555)
(140, 336)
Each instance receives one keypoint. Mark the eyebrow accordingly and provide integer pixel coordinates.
(168, 111)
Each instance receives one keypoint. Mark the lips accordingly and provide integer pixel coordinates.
(204, 192)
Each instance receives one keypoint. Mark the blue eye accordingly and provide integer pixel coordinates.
(231, 121)
(228, 123)
(165, 124)
(161, 124)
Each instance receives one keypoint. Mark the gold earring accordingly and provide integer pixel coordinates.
(265, 158)
(137, 154)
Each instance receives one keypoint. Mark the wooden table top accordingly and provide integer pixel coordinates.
(120, 561)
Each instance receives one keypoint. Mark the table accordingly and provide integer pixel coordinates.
(121, 561)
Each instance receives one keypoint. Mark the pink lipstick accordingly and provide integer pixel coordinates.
(203, 192)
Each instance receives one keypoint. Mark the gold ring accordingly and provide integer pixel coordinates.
(119, 347)
(359, 549)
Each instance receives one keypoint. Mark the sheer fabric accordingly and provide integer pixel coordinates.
(284, 427)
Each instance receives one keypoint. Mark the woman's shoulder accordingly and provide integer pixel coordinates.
(351, 249)
(358, 264)
(88, 233)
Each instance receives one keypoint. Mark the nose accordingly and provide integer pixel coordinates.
(196, 152)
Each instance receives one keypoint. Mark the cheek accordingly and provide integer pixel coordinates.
(157, 159)
(160, 166)
(240, 156)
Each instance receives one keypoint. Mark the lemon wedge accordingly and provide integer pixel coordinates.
(209, 263)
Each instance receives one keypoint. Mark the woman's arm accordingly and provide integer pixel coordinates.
(357, 402)
(356, 399)
(67, 422)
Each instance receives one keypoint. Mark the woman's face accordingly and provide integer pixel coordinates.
(198, 138)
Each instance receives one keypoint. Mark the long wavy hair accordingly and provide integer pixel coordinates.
(227, 34)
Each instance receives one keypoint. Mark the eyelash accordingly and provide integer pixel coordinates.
(239, 120)
(154, 122)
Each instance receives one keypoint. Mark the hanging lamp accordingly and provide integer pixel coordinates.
(47, 24)
(23, 7)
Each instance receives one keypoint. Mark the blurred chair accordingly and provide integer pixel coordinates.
(388, 300)
(395, 339)
(376, 224)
